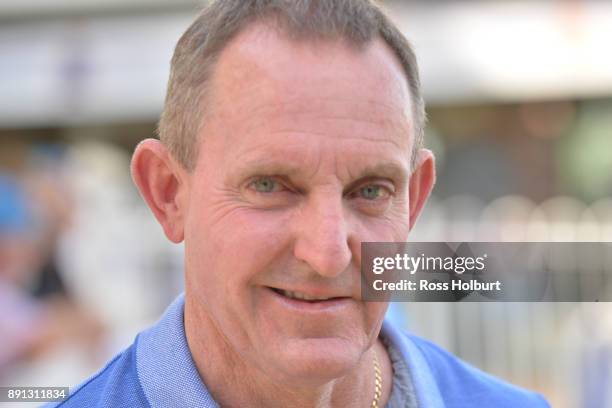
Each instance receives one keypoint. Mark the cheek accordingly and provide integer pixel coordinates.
(236, 248)
(393, 227)
(226, 259)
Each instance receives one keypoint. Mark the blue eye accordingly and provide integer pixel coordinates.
(265, 185)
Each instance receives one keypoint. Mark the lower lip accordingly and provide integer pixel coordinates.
(331, 305)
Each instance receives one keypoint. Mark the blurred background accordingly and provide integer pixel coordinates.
(519, 99)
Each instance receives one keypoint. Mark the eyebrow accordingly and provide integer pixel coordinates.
(386, 169)
(265, 167)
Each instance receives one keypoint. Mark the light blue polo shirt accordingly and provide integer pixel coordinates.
(157, 371)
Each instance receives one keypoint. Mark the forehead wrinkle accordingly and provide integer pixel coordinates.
(279, 118)
(267, 119)
(295, 132)
(351, 111)
(272, 119)
(335, 101)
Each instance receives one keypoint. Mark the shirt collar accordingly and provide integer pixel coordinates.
(166, 371)
(425, 386)
(169, 377)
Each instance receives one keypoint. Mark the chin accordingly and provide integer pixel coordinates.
(316, 361)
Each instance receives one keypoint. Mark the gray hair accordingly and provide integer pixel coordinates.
(358, 21)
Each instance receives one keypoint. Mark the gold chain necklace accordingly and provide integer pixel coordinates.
(377, 382)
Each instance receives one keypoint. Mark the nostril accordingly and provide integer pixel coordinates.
(322, 243)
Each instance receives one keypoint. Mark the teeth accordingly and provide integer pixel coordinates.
(300, 296)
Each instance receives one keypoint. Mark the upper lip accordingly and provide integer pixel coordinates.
(312, 293)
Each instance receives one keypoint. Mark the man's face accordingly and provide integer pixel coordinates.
(304, 155)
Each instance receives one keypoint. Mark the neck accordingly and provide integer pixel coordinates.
(234, 382)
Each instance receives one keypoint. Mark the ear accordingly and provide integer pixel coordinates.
(422, 181)
(159, 179)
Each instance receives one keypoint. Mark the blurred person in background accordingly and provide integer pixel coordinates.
(53, 208)
(291, 133)
(36, 313)
(23, 321)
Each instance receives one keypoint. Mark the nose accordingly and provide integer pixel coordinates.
(322, 237)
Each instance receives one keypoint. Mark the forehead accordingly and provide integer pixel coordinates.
(265, 83)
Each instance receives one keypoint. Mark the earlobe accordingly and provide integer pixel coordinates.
(421, 183)
(158, 178)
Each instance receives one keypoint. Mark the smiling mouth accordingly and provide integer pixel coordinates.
(304, 297)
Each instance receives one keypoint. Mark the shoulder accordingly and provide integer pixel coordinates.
(114, 385)
(463, 385)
